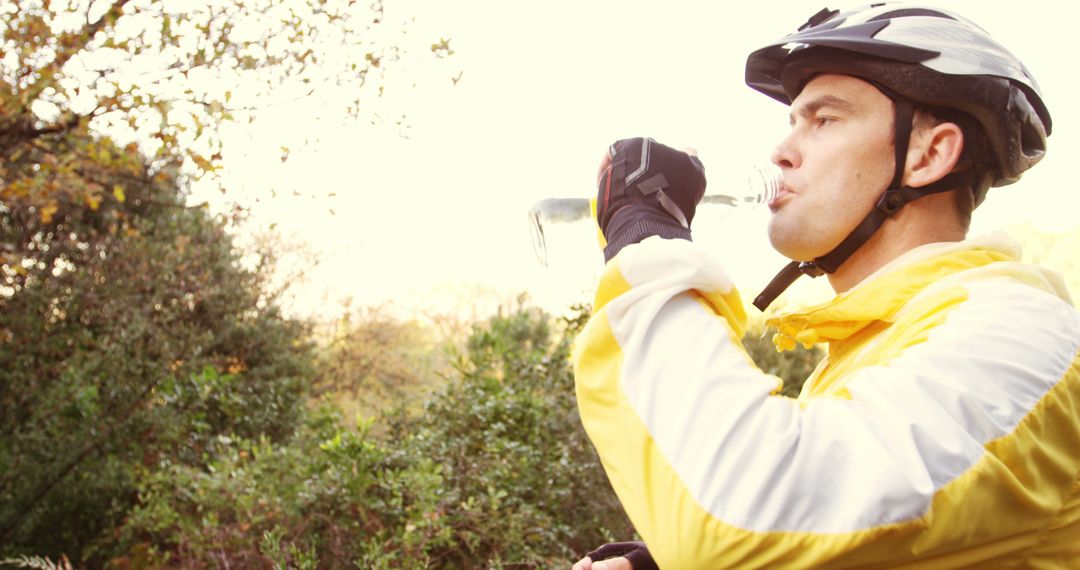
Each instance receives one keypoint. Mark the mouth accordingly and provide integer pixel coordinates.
(783, 193)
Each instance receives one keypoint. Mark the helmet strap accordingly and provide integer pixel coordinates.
(894, 198)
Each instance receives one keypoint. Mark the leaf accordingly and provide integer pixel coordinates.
(48, 211)
(118, 193)
(442, 48)
(202, 163)
(93, 201)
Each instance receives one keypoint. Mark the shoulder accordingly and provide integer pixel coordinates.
(994, 334)
(999, 300)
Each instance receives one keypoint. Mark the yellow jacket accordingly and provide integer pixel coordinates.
(942, 430)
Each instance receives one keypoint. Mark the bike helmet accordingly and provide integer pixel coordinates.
(917, 56)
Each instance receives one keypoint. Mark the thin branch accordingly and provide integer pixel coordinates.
(69, 44)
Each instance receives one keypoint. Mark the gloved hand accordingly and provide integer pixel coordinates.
(634, 552)
(647, 189)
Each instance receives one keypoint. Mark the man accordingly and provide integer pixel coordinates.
(943, 428)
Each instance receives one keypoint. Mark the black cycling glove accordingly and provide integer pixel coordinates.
(635, 552)
(649, 189)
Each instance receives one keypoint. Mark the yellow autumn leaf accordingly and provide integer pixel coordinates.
(93, 201)
(202, 163)
(118, 193)
(48, 211)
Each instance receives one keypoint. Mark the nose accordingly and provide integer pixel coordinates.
(785, 154)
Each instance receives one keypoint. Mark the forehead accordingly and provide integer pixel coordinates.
(842, 90)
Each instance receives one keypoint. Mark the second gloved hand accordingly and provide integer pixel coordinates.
(647, 189)
(619, 554)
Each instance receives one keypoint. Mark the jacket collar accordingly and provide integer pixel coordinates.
(878, 297)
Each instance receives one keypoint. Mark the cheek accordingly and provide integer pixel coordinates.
(867, 174)
(852, 190)
(876, 160)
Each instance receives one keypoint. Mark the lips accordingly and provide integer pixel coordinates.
(782, 196)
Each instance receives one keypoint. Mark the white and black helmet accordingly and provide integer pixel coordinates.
(929, 56)
(920, 57)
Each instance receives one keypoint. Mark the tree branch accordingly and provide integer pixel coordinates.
(69, 44)
(21, 129)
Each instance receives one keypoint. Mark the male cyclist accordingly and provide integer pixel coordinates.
(943, 428)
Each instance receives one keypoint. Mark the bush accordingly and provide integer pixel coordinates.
(523, 483)
(495, 471)
(131, 338)
(793, 367)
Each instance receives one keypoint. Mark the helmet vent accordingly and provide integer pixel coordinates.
(823, 15)
(909, 12)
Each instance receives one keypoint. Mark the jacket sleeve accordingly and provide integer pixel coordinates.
(716, 470)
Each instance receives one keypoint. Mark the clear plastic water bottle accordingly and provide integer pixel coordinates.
(571, 220)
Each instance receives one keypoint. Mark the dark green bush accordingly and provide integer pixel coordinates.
(495, 471)
(131, 339)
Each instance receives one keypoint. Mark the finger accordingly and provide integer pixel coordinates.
(583, 564)
(620, 563)
(689, 150)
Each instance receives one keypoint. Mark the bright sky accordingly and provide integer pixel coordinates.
(546, 87)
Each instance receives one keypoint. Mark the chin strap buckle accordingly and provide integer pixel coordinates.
(784, 279)
(811, 268)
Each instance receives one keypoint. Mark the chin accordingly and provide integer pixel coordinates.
(783, 239)
(792, 242)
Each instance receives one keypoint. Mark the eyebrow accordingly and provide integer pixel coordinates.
(814, 105)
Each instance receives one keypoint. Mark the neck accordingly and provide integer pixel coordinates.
(918, 223)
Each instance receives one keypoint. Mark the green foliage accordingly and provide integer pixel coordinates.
(793, 367)
(523, 484)
(375, 360)
(495, 472)
(134, 344)
(130, 336)
(188, 515)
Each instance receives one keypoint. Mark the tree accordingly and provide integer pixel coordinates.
(166, 75)
(374, 360)
(131, 337)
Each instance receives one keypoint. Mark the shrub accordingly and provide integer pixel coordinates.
(495, 471)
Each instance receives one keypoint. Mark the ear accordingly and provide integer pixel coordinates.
(933, 153)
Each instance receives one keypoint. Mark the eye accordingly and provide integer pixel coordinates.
(822, 121)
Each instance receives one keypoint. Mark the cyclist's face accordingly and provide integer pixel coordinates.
(837, 160)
